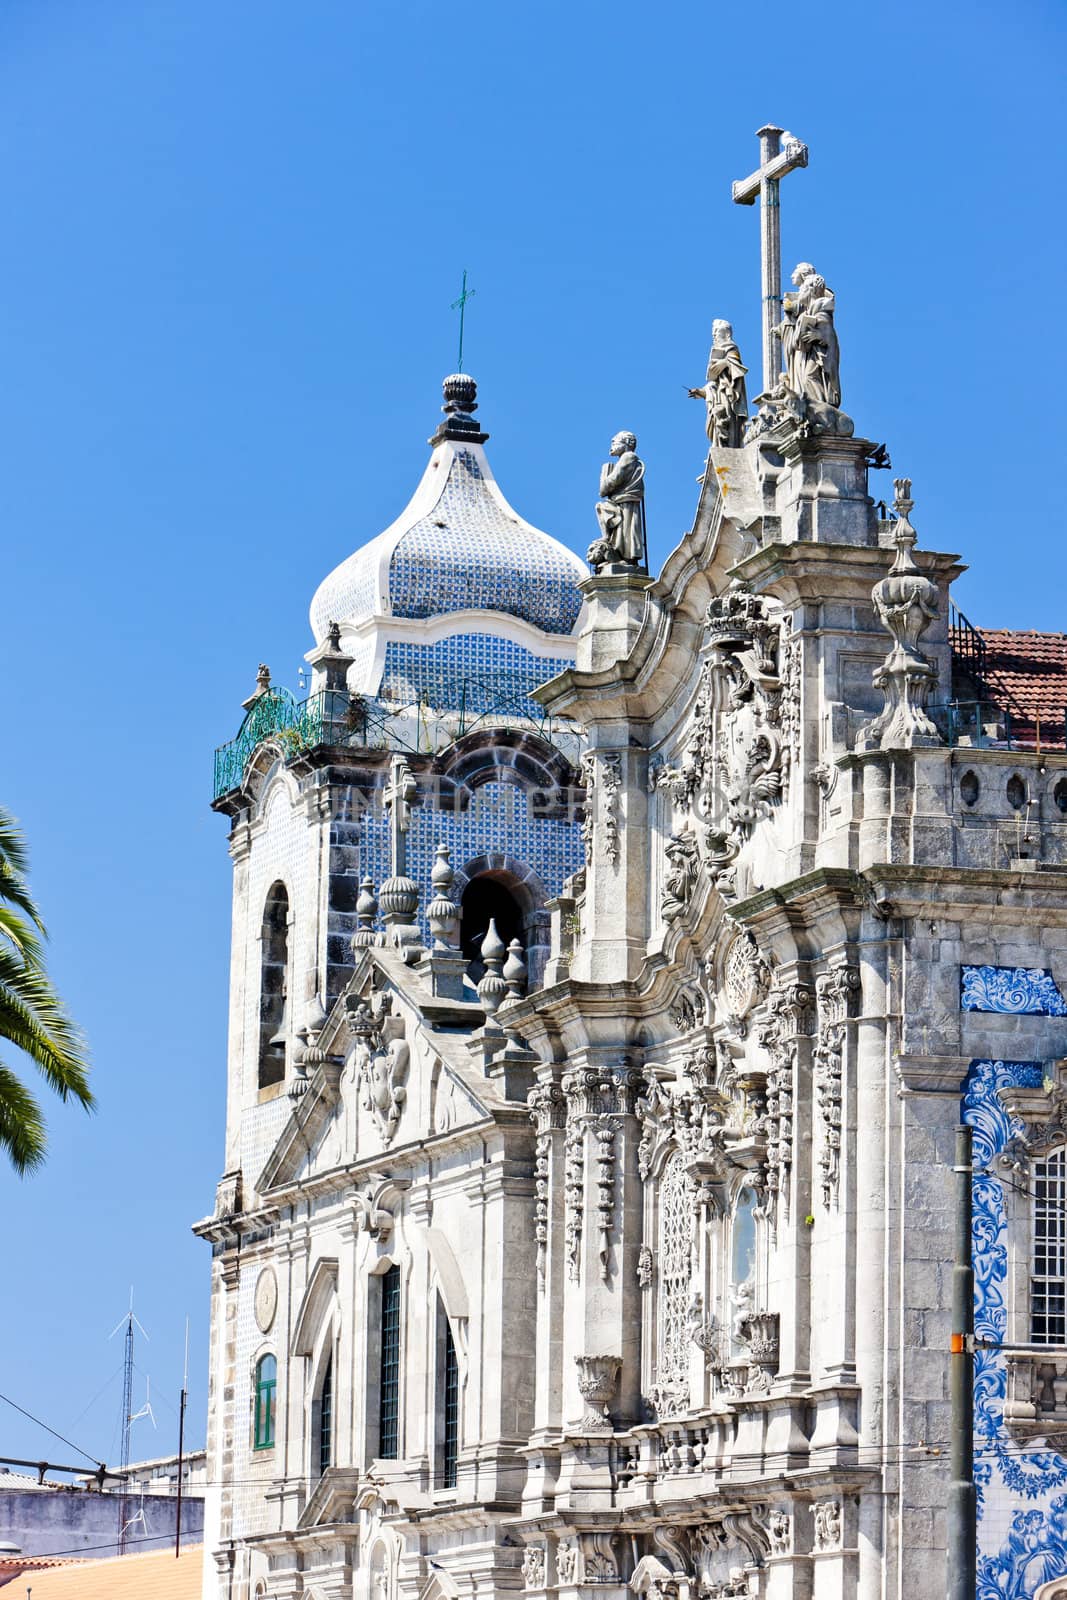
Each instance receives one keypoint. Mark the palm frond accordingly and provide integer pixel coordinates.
(33, 1017)
(22, 1132)
(14, 864)
(23, 934)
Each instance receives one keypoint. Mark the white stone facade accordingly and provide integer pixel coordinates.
(679, 1237)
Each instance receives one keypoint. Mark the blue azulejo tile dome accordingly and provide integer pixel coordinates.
(458, 582)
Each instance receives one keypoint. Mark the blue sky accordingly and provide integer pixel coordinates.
(231, 233)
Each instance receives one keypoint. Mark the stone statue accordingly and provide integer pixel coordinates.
(809, 340)
(621, 507)
(724, 390)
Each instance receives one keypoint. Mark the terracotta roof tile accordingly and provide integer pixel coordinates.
(155, 1575)
(1026, 672)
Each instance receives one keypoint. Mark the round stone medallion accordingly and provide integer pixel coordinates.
(744, 976)
(266, 1299)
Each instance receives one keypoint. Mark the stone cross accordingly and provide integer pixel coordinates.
(779, 153)
(398, 796)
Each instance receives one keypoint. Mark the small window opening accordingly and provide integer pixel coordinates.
(1016, 792)
(1059, 794)
(266, 1392)
(389, 1368)
(969, 788)
(326, 1419)
(274, 987)
(450, 1439)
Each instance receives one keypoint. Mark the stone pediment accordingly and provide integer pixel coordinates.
(332, 1499)
(386, 1072)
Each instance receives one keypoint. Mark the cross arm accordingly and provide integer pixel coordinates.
(746, 191)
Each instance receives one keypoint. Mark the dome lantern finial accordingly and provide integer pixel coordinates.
(461, 402)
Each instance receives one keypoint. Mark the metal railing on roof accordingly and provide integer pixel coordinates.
(336, 717)
(983, 724)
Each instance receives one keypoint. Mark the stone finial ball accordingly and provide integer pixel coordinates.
(461, 394)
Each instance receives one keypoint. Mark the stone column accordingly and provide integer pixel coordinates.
(602, 1349)
(614, 921)
(873, 1205)
(548, 1112)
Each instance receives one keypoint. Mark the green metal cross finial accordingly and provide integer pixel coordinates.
(460, 305)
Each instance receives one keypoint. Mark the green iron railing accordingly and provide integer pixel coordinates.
(335, 717)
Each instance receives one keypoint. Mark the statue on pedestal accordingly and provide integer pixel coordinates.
(809, 339)
(621, 507)
(724, 390)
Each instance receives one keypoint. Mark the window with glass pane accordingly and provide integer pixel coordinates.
(266, 1390)
(326, 1419)
(450, 1442)
(1048, 1284)
(389, 1370)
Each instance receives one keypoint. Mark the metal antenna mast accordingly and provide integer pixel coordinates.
(127, 1322)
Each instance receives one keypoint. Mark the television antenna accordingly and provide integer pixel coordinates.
(128, 1322)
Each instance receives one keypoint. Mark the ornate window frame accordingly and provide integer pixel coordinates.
(1035, 1406)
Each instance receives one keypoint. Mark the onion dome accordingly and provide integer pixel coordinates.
(459, 563)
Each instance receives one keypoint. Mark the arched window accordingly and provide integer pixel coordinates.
(484, 901)
(450, 1407)
(675, 1246)
(266, 1399)
(743, 1263)
(274, 987)
(326, 1418)
(1048, 1280)
(389, 1367)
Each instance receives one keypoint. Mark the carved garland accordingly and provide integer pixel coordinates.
(548, 1111)
(834, 991)
(789, 1014)
(604, 1131)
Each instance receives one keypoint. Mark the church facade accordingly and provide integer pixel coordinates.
(614, 957)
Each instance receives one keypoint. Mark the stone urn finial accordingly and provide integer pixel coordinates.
(598, 1378)
(492, 988)
(514, 973)
(366, 912)
(441, 913)
(906, 602)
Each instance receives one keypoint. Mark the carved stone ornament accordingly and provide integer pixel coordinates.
(602, 775)
(598, 1378)
(548, 1113)
(746, 976)
(780, 1531)
(826, 1516)
(533, 1566)
(834, 992)
(266, 1299)
(620, 510)
(567, 1554)
(789, 1014)
(907, 603)
(381, 1059)
(683, 857)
